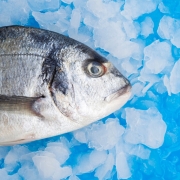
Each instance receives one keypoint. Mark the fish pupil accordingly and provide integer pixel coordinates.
(94, 70)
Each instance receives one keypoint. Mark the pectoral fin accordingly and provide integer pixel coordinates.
(19, 104)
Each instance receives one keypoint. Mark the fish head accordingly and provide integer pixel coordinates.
(90, 87)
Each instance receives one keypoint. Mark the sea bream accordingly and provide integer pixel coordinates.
(51, 84)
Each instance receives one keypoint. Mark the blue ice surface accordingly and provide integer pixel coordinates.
(149, 150)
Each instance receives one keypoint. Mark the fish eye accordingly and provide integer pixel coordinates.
(95, 69)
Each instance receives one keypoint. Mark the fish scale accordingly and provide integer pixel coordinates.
(25, 75)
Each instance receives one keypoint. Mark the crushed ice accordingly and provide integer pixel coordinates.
(141, 140)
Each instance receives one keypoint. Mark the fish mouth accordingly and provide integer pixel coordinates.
(126, 90)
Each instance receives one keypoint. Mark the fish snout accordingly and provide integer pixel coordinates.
(124, 91)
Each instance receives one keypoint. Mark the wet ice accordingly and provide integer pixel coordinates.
(145, 127)
(139, 141)
(169, 28)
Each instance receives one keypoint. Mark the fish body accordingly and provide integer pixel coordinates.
(51, 84)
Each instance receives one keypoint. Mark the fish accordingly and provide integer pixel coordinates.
(51, 84)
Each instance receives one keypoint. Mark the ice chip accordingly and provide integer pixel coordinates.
(48, 167)
(175, 78)
(123, 170)
(103, 171)
(145, 127)
(118, 43)
(15, 153)
(78, 36)
(54, 21)
(166, 82)
(14, 12)
(109, 9)
(73, 177)
(90, 20)
(147, 27)
(4, 151)
(88, 162)
(80, 135)
(137, 89)
(62, 173)
(131, 28)
(46, 18)
(131, 65)
(42, 5)
(166, 28)
(3, 174)
(67, 1)
(75, 19)
(79, 3)
(163, 8)
(148, 79)
(28, 172)
(140, 151)
(60, 151)
(12, 159)
(104, 136)
(135, 8)
(169, 28)
(157, 56)
(97, 157)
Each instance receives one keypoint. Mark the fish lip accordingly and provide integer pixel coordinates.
(125, 90)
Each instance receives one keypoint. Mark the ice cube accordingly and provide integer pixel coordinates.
(60, 151)
(169, 28)
(123, 171)
(158, 56)
(44, 5)
(73, 177)
(46, 166)
(131, 28)
(118, 43)
(166, 82)
(174, 78)
(28, 172)
(4, 151)
(110, 9)
(79, 3)
(15, 153)
(75, 19)
(62, 173)
(147, 27)
(67, 1)
(137, 89)
(3, 174)
(145, 127)
(80, 135)
(163, 8)
(139, 151)
(14, 12)
(54, 21)
(88, 162)
(103, 171)
(134, 9)
(104, 136)
(90, 20)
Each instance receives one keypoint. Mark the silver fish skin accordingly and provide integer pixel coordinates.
(51, 84)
